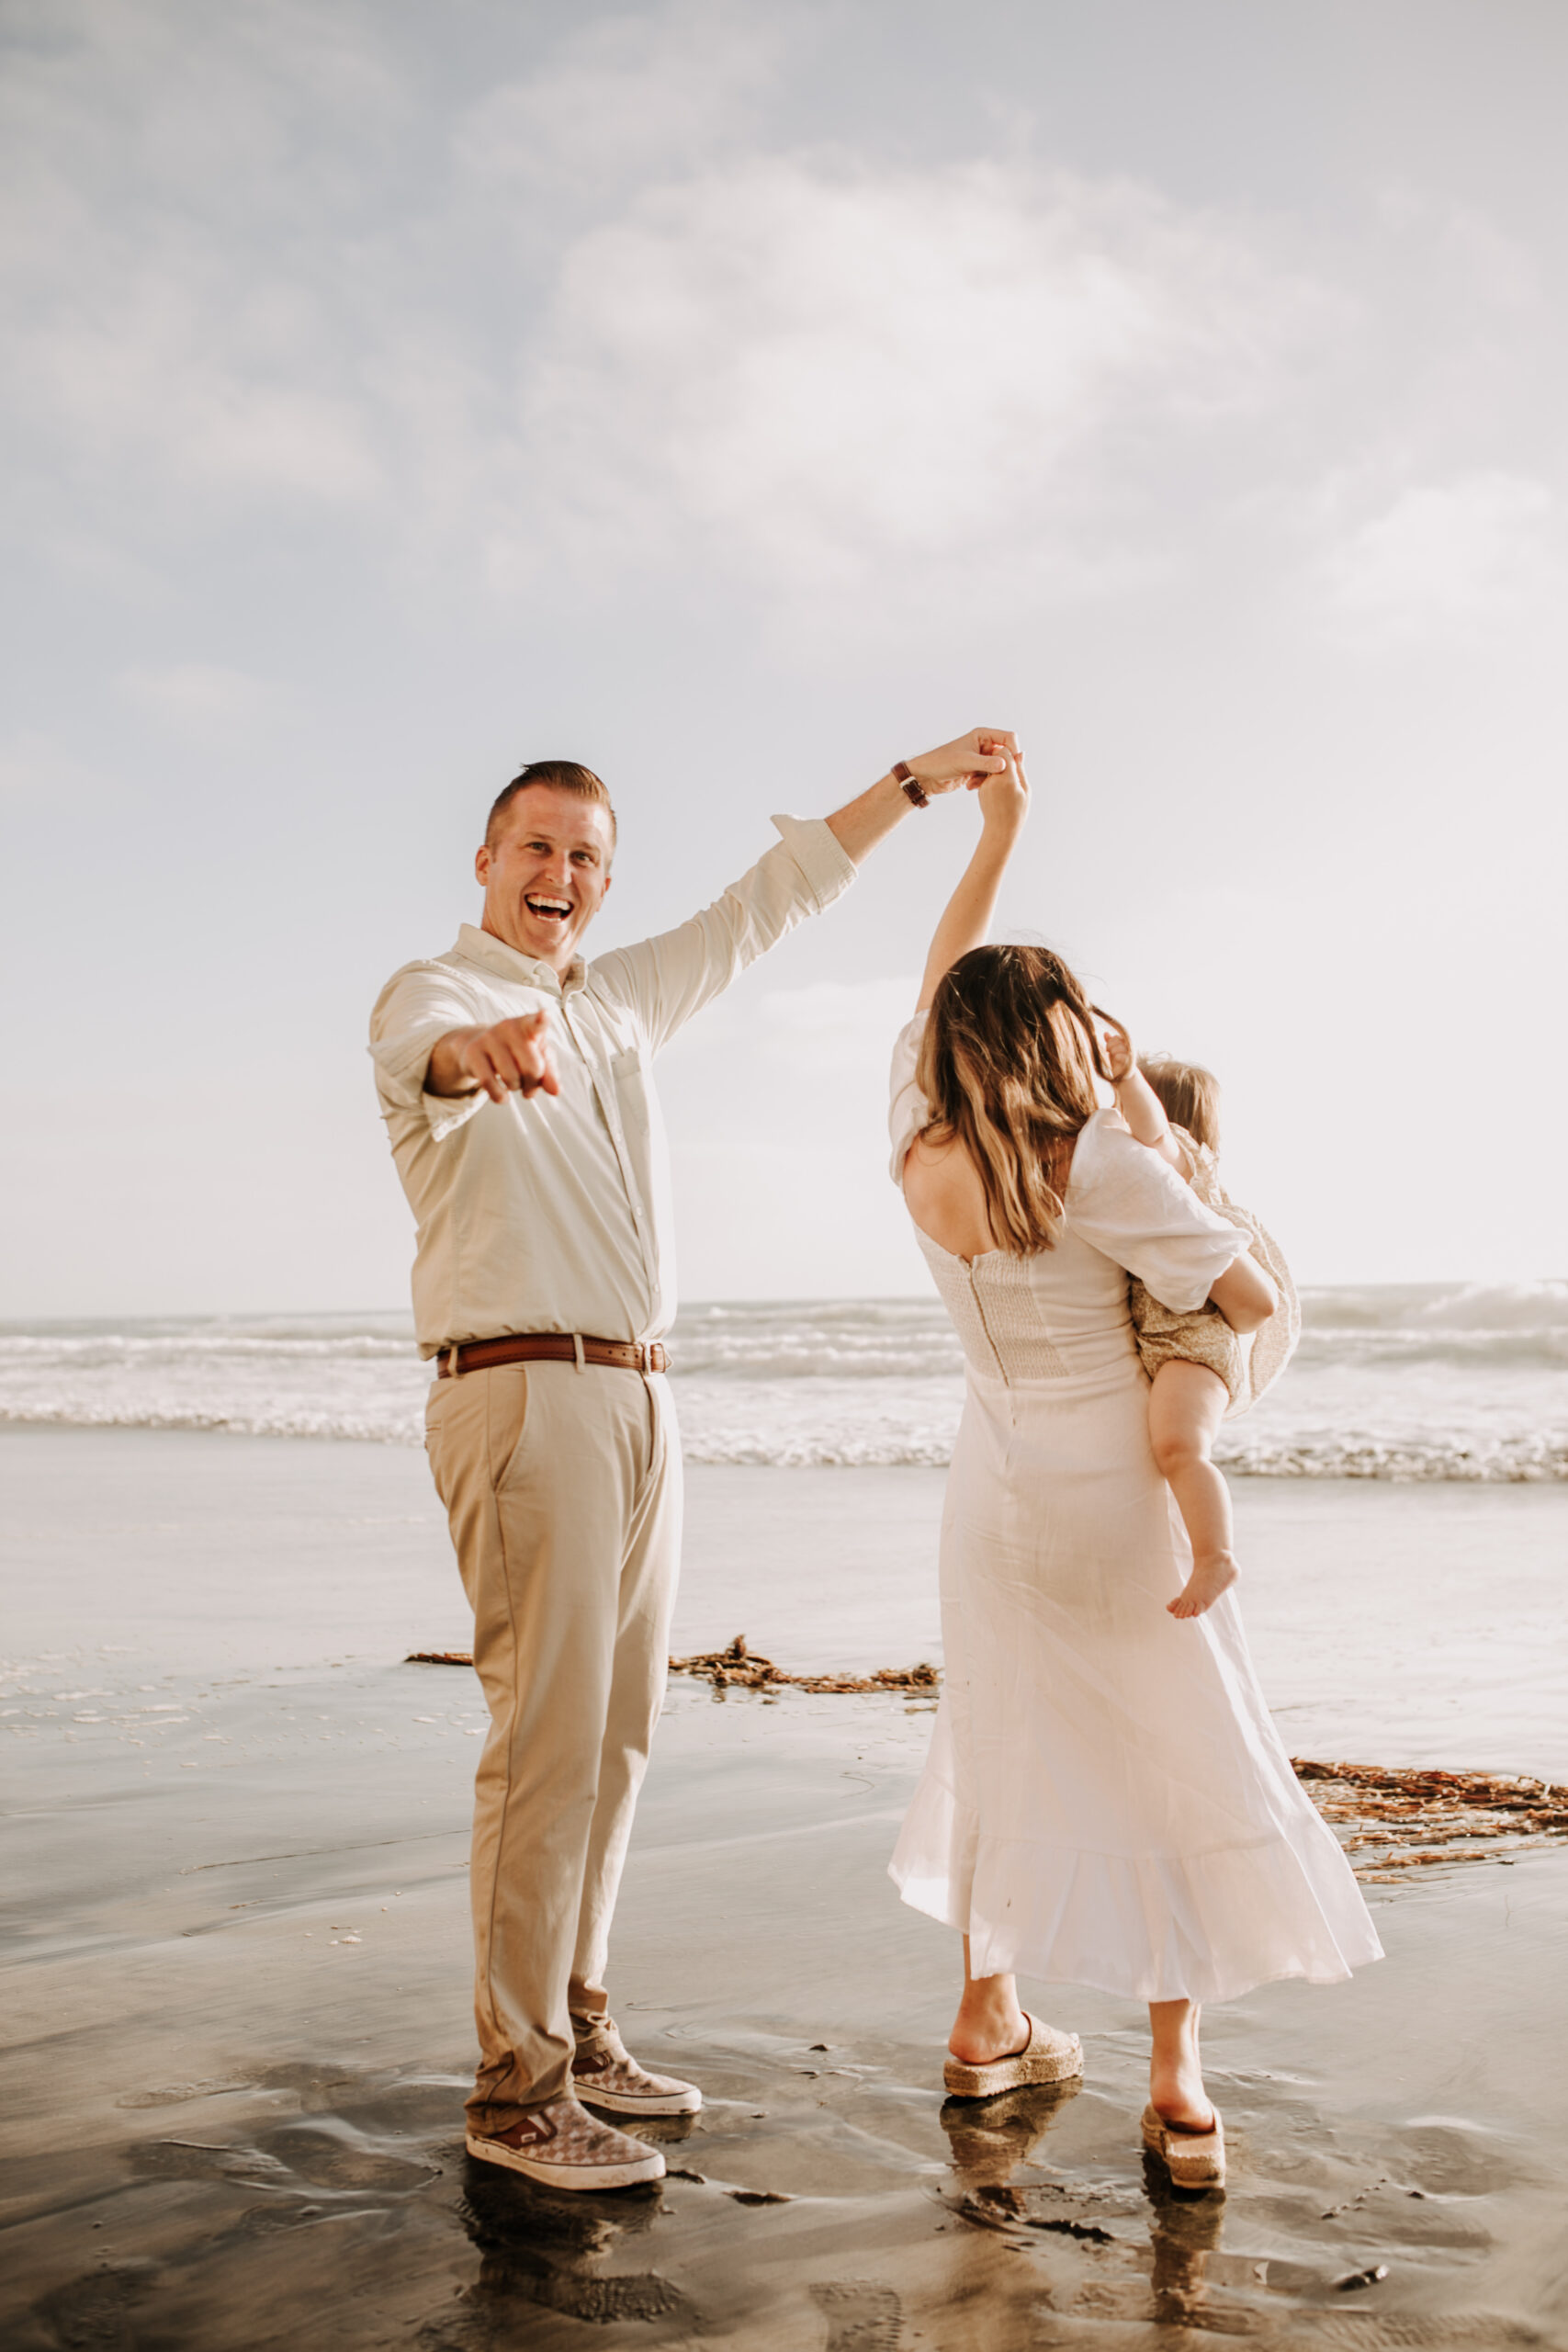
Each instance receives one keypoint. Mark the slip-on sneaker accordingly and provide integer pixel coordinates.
(1048, 2056)
(1193, 2159)
(605, 2074)
(562, 2146)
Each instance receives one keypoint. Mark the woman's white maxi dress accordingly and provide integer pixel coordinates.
(1106, 1801)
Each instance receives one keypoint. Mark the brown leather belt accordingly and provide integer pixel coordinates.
(551, 1347)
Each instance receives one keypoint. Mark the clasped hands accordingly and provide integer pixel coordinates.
(986, 756)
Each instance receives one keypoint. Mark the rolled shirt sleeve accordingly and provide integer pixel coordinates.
(667, 978)
(418, 1007)
(1125, 1201)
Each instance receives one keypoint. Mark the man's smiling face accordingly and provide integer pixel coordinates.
(546, 873)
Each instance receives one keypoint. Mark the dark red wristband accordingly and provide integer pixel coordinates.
(909, 784)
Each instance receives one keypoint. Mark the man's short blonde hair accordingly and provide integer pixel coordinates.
(566, 775)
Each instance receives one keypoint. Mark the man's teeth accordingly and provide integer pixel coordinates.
(548, 906)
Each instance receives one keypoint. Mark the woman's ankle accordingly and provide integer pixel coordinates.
(983, 2033)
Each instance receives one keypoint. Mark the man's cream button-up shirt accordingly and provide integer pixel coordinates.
(553, 1215)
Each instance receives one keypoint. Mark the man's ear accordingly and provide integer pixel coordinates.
(608, 879)
(482, 864)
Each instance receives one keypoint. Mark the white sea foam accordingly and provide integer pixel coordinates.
(1411, 1382)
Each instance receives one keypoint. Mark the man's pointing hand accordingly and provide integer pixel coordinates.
(512, 1058)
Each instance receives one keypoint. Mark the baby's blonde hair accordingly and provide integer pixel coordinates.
(1189, 1097)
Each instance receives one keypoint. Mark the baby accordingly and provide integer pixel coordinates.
(1199, 1370)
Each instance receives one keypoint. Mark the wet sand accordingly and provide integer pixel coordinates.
(236, 1998)
(1418, 1625)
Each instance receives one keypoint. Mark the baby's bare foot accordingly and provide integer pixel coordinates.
(1213, 1574)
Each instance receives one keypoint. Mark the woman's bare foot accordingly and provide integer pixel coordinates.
(989, 2024)
(1176, 2071)
(1214, 1573)
(1184, 2108)
(981, 2040)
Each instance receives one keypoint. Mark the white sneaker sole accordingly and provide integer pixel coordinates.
(549, 2176)
(687, 2101)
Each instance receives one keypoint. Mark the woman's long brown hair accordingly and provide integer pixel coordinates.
(1007, 1064)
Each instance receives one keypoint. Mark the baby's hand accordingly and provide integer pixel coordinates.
(1119, 1055)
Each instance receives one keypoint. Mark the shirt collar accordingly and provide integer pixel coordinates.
(483, 947)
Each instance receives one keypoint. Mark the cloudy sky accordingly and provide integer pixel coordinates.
(736, 397)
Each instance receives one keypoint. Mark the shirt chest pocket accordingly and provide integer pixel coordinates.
(629, 1075)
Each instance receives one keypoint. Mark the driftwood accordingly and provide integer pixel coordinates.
(1387, 1818)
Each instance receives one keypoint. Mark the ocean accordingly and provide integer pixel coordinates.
(1429, 1382)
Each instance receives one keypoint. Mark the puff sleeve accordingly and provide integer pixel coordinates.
(907, 1110)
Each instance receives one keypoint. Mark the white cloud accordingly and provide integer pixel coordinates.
(34, 768)
(808, 371)
(1445, 556)
(248, 257)
(831, 1025)
(651, 92)
(611, 323)
(158, 374)
(201, 701)
(824, 1026)
(171, 240)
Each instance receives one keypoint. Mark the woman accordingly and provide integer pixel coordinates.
(1106, 1801)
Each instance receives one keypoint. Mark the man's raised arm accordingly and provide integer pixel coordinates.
(966, 762)
(667, 978)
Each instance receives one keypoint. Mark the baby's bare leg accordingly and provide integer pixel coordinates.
(1187, 1404)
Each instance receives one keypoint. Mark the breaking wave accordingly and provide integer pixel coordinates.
(1464, 1382)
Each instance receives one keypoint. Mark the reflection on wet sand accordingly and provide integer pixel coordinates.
(845, 2210)
(539, 2248)
(1186, 2230)
(239, 2044)
(993, 2140)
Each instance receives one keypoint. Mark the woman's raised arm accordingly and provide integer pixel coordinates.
(966, 918)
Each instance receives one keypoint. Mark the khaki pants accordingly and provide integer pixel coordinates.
(562, 1489)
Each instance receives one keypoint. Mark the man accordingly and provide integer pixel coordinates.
(515, 1081)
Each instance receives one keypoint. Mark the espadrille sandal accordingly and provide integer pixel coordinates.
(1046, 2057)
(1193, 2159)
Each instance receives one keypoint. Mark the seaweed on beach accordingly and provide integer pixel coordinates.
(736, 1667)
(1388, 1818)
